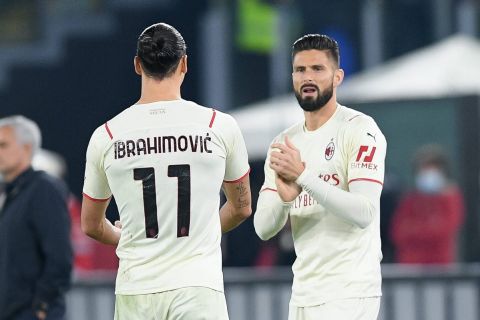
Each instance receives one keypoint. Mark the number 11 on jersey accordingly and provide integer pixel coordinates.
(147, 176)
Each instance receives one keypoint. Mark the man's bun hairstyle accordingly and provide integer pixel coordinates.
(160, 48)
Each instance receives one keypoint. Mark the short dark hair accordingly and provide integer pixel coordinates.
(160, 48)
(318, 42)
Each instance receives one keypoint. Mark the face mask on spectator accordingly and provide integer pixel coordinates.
(430, 181)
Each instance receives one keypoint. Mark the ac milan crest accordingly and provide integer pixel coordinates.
(330, 150)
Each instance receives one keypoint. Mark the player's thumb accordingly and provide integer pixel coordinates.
(118, 224)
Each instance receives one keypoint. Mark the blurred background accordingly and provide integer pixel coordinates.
(413, 65)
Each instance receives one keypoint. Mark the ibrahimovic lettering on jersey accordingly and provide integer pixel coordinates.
(152, 145)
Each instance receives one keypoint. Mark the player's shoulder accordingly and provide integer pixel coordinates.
(294, 129)
(197, 108)
(221, 117)
(102, 134)
(124, 115)
(352, 119)
(221, 120)
(210, 116)
(291, 132)
(357, 124)
(104, 131)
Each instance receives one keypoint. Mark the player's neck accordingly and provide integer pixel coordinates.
(164, 90)
(316, 119)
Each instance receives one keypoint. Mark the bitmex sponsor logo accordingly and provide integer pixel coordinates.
(364, 159)
(363, 165)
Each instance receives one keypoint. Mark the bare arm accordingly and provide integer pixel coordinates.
(239, 203)
(96, 225)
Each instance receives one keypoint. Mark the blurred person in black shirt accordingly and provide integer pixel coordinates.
(35, 249)
(2, 192)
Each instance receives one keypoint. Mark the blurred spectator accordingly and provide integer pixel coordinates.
(89, 255)
(35, 251)
(427, 221)
(2, 192)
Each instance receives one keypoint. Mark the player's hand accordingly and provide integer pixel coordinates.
(116, 226)
(286, 162)
(287, 190)
(114, 232)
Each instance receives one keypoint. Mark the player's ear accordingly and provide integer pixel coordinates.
(183, 64)
(137, 65)
(338, 77)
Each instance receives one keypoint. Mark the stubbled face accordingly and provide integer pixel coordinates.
(313, 79)
(13, 155)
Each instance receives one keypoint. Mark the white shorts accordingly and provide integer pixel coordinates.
(192, 303)
(345, 309)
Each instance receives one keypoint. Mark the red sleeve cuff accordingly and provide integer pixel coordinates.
(94, 199)
(366, 179)
(237, 180)
(268, 189)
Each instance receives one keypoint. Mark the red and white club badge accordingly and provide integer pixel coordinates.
(329, 151)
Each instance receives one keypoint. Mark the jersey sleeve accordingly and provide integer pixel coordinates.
(366, 149)
(269, 183)
(95, 185)
(271, 213)
(237, 157)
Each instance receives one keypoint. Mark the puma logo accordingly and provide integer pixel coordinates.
(371, 135)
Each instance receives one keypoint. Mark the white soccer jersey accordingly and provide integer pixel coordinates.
(335, 258)
(164, 163)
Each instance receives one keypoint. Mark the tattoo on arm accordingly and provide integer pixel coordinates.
(241, 189)
(242, 202)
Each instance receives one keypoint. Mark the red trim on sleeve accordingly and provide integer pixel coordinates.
(234, 181)
(268, 189)
(108, 130)
(213, 118)
(366, 179)
(95, 200)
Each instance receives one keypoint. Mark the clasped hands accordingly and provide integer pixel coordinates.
(285, 160)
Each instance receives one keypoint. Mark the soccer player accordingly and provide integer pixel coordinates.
(165, 159)
(326, 174)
